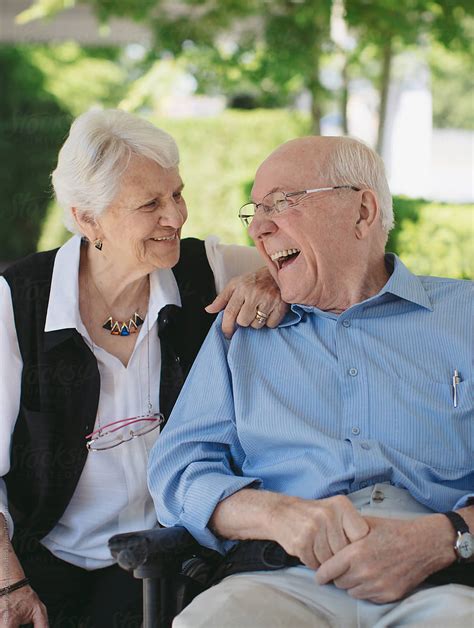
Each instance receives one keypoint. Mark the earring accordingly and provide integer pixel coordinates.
(98, 244)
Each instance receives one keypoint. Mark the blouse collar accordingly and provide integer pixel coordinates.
(63, 306)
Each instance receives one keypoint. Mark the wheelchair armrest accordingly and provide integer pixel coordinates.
(158, 546)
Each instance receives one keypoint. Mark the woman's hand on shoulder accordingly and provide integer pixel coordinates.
(243, 296)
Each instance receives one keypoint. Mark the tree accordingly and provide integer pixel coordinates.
(287, 38)
(391, 25)
(32, 126)
(279, 45)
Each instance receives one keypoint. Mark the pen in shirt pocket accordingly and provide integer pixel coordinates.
(456, 381)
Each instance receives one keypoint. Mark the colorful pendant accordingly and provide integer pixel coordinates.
(108, 324)
(120, 328)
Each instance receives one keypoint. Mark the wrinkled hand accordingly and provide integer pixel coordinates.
(392, 559)
(241, 298)
(23, 607)
(315, 530)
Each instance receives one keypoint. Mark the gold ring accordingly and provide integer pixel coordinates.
(261, 317)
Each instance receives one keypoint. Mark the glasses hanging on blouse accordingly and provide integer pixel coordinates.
(117, 432)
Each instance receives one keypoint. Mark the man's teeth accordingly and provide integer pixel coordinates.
(282, 254)
(173, 237)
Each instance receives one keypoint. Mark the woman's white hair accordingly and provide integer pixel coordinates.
(96, 154)
(352, 162)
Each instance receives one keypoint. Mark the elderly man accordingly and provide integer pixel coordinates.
(344, 434)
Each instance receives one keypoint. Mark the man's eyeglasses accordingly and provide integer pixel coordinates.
(118, 432)
(277, 202)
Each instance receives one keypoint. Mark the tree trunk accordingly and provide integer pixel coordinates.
(316, 91)
(345, 97)
(316, 112)
(387, 55)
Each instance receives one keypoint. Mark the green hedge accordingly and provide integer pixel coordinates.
(32, 126)
(434, 238)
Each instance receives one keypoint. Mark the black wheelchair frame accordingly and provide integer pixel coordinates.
(173, 566)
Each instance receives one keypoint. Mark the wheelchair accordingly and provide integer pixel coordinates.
(175, 568)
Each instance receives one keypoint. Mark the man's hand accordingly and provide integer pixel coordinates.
(311, 529)
(316, 530)
(241, 298)
(394, 558)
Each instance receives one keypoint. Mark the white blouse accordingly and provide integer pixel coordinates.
(111, 496)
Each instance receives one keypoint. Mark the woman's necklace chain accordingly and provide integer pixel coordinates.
(147, 318)
(117, 327)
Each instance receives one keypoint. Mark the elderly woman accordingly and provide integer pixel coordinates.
(96, 339)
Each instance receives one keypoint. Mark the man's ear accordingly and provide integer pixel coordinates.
(368, 214)
(86, 224)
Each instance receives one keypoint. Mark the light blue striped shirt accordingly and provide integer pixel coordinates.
(326, 405)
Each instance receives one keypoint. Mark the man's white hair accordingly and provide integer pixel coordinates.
(352, 162)
(97, 152)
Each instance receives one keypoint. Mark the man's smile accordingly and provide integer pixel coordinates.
(284, 257)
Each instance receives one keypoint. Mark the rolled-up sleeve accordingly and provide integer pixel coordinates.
(467, 500)
(197, 460)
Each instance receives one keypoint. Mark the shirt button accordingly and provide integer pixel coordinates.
(352, 372)
(365, 445)
(378, 496)
(346, 323)
(355, 430)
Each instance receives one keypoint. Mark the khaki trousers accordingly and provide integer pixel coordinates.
(291, 598)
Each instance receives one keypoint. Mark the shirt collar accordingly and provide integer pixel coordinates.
(63, 306)
(402, 283)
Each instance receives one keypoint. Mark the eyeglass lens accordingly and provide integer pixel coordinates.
(273, 202)
(118, 432)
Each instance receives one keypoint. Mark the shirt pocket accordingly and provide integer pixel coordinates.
(429, 428)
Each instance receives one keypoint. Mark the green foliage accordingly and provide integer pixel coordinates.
(80, 77)
(156, 87)
(219, 156)
(284, 41)
(446, 21)
(32, 124)
(434, 238)
(452, 88)
(277, 48)
(43, 88)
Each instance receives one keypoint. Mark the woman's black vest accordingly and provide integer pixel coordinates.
(60, 385)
